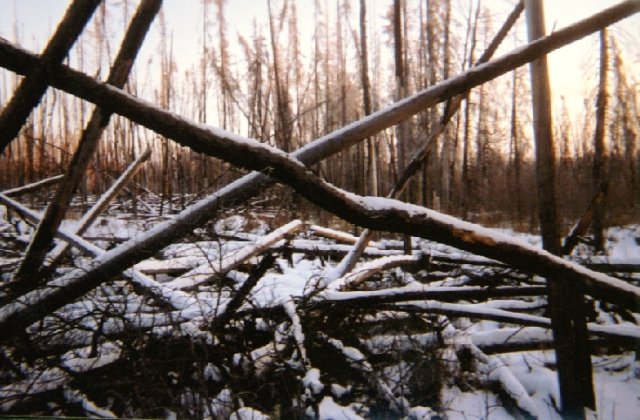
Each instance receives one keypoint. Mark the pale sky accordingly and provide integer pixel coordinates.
(37, 19)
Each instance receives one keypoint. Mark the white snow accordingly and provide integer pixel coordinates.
(248, 413)
(312, 381)
(330, 410)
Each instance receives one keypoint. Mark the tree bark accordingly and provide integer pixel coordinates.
(566, 300)
(30, 91)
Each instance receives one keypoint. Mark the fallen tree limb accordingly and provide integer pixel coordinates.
(370, 268)
(499, 372)
(231, 261)
(34, 186)
(412, 293)
(178, 300)
(480, 311)
(337, 235)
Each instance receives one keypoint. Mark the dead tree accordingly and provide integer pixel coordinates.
(600, 158)
(30, 91)
(566, 299)
(372, 153)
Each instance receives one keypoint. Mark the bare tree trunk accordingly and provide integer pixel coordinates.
(283, 120)
(30, 91)
(516, 149)
(566, 300)
(401, 91)
(448, 154)
(372, 154)
(600, 158)
(26, 277)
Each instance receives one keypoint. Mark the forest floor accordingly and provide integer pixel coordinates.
(298, 345)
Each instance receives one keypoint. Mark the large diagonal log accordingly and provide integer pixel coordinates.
(26, 277)
(175, 298)
(28, 94)
(379, 214)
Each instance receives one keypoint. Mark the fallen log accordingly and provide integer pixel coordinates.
(412, 293)
(208, 271)
(370, 268)
(34, 186)
(479, 311)
(176, 299)
(338, 236)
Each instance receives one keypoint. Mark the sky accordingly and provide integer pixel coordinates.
(571, 68)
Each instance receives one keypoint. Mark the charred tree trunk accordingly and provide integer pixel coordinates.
(566, 300)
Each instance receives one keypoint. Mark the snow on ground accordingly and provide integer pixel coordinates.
(617, 376)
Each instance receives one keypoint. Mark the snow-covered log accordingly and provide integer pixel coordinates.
(358, 360)
(34, 186)
(370, 268)
(481, 311)
(423, 292)
(179, 300)
(231, 261)
(499, 372)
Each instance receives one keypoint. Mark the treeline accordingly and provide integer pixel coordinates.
(286, 89)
